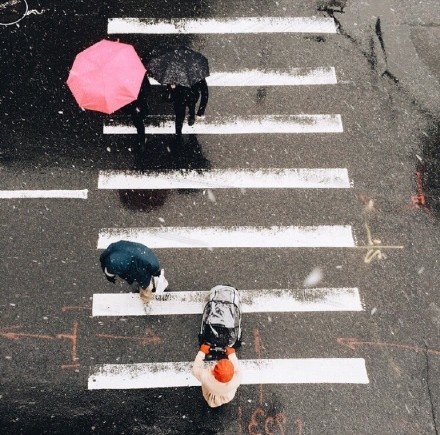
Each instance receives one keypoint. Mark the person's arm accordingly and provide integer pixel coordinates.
(103, 258)
(198, 365)
(144, 279)
(168, 94)
(232, 356)
(204, 97)
(147, 264)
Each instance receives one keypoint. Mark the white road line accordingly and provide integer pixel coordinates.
(14, 194)
(254, 77)
(335, 236)
(237, 125)
(252, 301)
(255, 371)
(319, 178)
(222, 25)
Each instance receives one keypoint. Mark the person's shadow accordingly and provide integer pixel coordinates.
(163, 153)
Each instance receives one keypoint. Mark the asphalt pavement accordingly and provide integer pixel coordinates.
(385, 59)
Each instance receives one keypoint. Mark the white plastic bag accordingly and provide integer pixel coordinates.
(160, 282)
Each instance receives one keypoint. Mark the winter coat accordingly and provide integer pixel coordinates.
(130, 261)
(216, 393)
(183, 96)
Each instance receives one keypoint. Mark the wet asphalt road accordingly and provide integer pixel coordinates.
(50, 266)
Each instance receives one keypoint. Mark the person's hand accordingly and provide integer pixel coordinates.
(205, 348)
(229, 350)
(112, 279)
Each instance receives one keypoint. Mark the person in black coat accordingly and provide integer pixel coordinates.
(133, 262)
(138, 110)
(183, 97)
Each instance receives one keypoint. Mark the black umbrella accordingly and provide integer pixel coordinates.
(182, 66)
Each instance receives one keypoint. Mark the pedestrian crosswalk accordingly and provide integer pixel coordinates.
(312, 300)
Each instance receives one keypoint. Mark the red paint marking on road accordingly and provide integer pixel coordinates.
(276, 424)
(70, 366)
(17, 335)
(299, 426)
(150, 338)
(419, 199)
(352, 343)
(257, 347)
(254, 422)
(73, 337)
(71, 308)
(260, 393)
(239, 420)
(257, 342)
(261, 423)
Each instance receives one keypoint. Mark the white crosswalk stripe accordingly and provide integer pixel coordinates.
(253, 301)
(255, 371)
(221, 25)
(254, 77)
(323, 236)
(237, 125)
(34, 194)
(318, 178)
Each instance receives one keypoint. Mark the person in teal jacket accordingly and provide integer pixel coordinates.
(133, 262)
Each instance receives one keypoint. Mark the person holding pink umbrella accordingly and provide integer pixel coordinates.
(138, 110)
(108, 76)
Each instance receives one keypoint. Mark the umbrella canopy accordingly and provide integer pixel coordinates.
(182, 66)
(106, 76)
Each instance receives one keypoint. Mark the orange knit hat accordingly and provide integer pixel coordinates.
(224, 370)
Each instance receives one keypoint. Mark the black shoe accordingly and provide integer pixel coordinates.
(191, 120)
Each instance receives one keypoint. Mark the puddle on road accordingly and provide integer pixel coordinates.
(184, 153)
(143, 200)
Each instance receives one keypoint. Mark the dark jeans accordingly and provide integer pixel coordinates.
(137, 117)
(180, 110)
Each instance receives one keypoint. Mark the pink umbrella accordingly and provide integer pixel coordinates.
(106, 76)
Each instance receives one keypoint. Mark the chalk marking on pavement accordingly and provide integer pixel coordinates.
(301, 178)
(18, 194)
(255, 371)
(149, 337)
(236, 125)
(254, 77)
(221, 25)
(252, 301)
(335, 236)
(352, 343)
